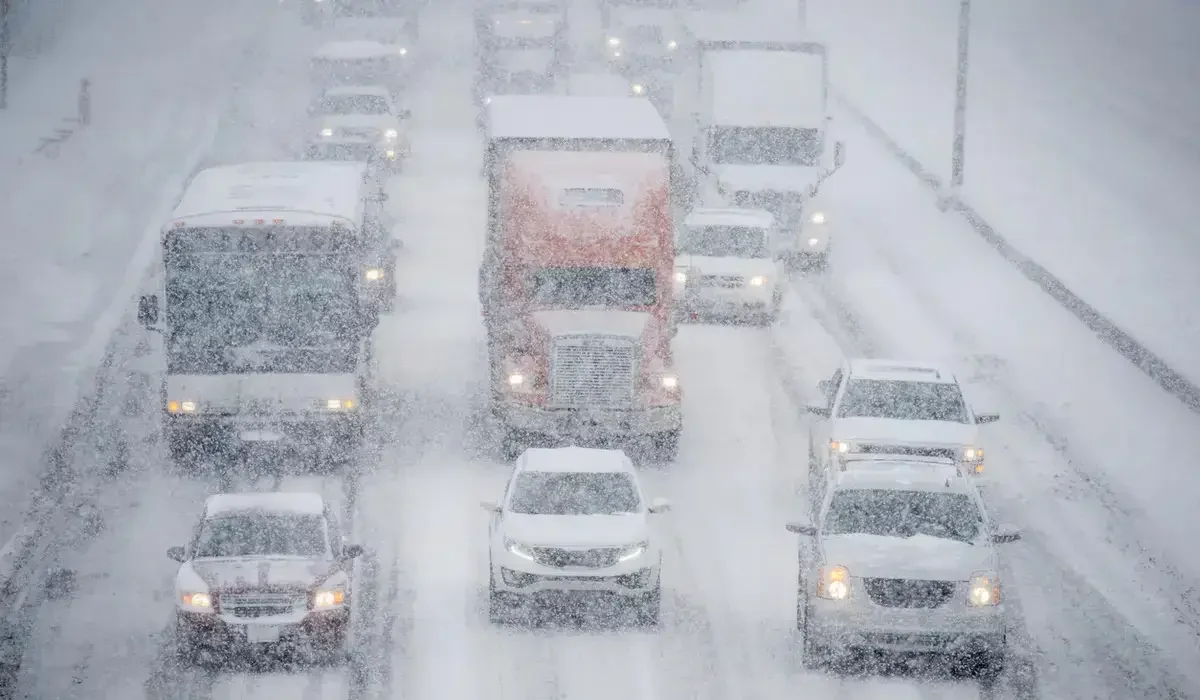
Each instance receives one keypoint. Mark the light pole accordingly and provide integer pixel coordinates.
(958, 154)
(4, 54)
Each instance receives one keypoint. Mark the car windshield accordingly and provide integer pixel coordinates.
(262, 535)
(724, 242)
(889, 513)
(903, 400)
(352, 104)
(574, 493)
(576, 287)
(738, 145)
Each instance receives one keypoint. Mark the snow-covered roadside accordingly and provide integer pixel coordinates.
(1085, 458)
(1080, 139)
(80, 228)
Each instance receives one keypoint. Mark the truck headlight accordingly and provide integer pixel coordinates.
(339, 404)
(672, 45)
(839, 447)
(638, 89)
(984, 590)
(182, 407)
(833, 583)
(326, 599)
(196, 602)
(633, 551)
(669, 382)
(681, 276)
(974, 457)
(403, 51)
(519, 550)
(391, 134)
(758, 281)
(516, 379)
(817, 217)
(373, 274)
(614, 41)
(327, 132)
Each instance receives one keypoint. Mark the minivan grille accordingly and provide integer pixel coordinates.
(902, 593)
(593, 370)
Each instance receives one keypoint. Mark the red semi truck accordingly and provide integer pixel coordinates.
(577, 278)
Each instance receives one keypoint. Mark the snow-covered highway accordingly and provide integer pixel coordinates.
(1085, 460)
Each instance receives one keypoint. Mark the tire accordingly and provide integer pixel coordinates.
(813, 654)
(666, 445)
(500, 607)
(649, 607)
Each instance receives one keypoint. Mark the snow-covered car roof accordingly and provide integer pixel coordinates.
(598, 85)
(325, 188)
(574, 459)
(356, 49)
(299, 503)
(574, 117)
(730, 217)
(351, 90)
(795, 96)
(901, 371)
(899, 475)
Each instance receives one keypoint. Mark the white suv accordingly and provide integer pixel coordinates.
(901, 558)
(574, 521)
(897, 408)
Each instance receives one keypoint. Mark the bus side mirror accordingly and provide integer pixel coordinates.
(147, 313)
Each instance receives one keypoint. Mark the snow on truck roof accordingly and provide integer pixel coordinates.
(575, 117)
(730, 217)
(357, 49)
(574, 459)
(788, 89)
(324, 188)
(299, 503)
(580, 178)
(901, 370)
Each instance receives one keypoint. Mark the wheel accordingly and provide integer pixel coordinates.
(649, 607)
(666, 445)
(813, 654)
(500, 607)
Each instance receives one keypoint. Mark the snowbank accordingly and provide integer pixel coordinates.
(1081, 148)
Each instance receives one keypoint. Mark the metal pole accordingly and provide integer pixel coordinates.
(4, 54)
(960, 96)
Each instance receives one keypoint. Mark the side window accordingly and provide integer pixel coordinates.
(335, 533)
(195, 539)
(835, 385)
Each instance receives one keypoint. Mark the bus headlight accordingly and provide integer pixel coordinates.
(669, 382)
(681, 276)
(817, 217)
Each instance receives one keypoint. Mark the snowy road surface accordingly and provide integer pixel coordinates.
(1081, 142)
(1104, 620)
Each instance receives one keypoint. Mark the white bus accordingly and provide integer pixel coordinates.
(271, 279)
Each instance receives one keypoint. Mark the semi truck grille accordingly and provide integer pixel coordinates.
(588, 558)
(910, 450)
(902, 593)
(725, 281)
(593, 370)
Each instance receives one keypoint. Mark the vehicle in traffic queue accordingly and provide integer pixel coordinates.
(603, 84)
(265, 571)
(393, 22)
(901, 558)
(360, 62)
(576, 279)
(359, 122)
(895, 407)
(518, 24)
(727, 266)
(274, 275)
(573, 523)
(641, 37)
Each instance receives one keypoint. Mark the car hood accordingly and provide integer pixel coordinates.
(920, 557)
(575, 530)
(524, 60)
(904, 432)
(767, 178)
(626, 324)
(267, 393)
(707, 265)
(517, 25)
(360, 121)
(284, 572)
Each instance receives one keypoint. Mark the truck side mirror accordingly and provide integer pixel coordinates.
(839, 154)
(147, 313)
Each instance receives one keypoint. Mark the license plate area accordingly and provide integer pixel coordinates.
(260, 436)
(263, 634)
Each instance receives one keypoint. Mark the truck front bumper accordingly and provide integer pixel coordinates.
(590, 423)
(952, 629)
(332, 432)
(321, 629)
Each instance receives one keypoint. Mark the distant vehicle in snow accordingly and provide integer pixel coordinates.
(264, 571)
(393, 27)
(379, 14)
(574, 522)
(360, 62)
(522, 47)
(520, 24)
(901, 558)
(763, 142)
(603, 85)
(359, 122)
(894, 407)
(727, 265)
(274, 276)
(576, 280)
(638, 38)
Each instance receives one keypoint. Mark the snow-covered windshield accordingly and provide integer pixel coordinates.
(262, 535)
(351, 104)
(575, 287)
(880, 398)
(371, 8)
(889, 513)
(574, 493)
(724, 242)
(739, 145)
